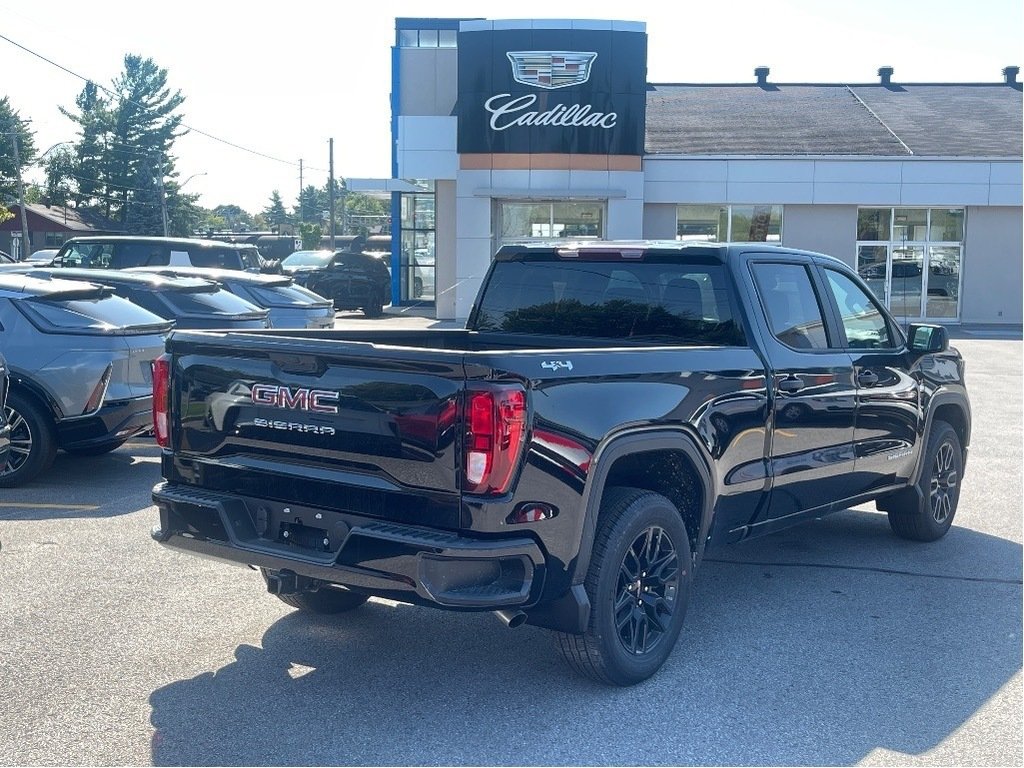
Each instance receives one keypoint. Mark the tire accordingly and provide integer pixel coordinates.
(637, 529)
(95, 450)
(33, 441)
(326, 600)
(375, 308)
(928, 515)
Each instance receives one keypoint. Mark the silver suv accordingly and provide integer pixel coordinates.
(80, 370)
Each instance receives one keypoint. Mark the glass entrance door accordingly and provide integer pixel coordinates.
(915, 282)
(914, 265)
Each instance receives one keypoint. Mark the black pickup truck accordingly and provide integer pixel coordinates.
(611, 411)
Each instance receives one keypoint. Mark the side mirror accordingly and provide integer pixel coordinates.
(926, 339)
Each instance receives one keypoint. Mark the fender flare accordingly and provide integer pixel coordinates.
(19, 380)
(626, 444)
(944, 397)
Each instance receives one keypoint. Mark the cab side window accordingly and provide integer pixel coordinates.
(140, 255)
(791, 305)
(863, 322)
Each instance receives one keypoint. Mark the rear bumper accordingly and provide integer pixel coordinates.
(113, 423)
(403, 562)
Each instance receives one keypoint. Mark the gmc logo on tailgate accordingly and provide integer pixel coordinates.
(297, 399)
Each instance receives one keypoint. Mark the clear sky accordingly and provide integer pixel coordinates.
(283, 78)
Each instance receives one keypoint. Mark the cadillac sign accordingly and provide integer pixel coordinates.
(586, 97)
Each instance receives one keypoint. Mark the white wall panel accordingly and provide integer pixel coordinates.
(944, 194)
(427, 164)
(771, 170)
(938, 172)
(541, 180)
(588, 180)
(509, 179)
(472, 217)
(625, 220)
(857, 193)
(685, 170)
(863, 171)
(631, 181)
(1005, 173)
(1005, 194)
(691, 192)
(468, 182)
(770, 192)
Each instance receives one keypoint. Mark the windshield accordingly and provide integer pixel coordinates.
(90, 314)
(670, 302)
(308, 259)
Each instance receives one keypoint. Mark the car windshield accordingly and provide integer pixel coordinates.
(308, 259)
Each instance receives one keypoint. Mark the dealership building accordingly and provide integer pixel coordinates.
(536, 130)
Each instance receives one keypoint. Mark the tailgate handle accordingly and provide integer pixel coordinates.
(298, 363)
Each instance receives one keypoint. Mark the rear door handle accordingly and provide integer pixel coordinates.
(867, 378)
(790, 384)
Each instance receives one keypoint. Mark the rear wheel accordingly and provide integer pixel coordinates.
(326, 600)
(928, 514)
(33, 441)
(638, 585)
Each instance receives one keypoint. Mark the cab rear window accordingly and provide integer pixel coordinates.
(640, 301)
(90, 315)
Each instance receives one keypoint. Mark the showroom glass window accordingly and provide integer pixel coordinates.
(729, 223)
(417, 254)
(911, 259)
(533, 220)
(427, 38)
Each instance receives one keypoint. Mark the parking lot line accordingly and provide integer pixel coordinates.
(27, 505)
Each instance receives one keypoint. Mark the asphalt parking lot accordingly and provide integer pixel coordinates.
(831, 644)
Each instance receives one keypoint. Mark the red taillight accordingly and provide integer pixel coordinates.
(161, 399)
(496, 427)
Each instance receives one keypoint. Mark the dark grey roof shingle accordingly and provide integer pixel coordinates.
(950, 120)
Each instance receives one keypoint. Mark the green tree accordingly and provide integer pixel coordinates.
(94, 128)
(11, 124)
(311, 201)
(275, 213)
(311, 235)
(60, 166)
(5, 214)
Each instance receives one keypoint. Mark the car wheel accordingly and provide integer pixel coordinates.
(326, 600)
(638, 585)
(33, 441)
(96, 450)
(375, 308)
(927, 514)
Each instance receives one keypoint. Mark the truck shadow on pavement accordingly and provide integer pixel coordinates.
(816, 646)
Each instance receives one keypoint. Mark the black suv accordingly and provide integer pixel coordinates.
(350, 280)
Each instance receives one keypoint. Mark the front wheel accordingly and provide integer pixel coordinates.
(926, 515)
(639, 587)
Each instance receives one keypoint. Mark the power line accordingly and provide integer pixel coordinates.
(142, 106)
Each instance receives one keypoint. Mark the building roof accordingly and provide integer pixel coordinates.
(67, 219)
(934, 119)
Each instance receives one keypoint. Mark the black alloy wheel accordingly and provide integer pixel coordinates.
(648, 585)
(942, 490)
(33, 443)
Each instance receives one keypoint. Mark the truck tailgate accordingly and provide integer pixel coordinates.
(346, 426)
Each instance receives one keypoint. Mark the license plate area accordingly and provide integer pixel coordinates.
(305, 537)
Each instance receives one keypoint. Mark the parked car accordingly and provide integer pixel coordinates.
(120, 252)
(350, 280)
(6, 258)
(80, 369)
(289, 305)
(190, 302)
(423, 274)
(43, 256)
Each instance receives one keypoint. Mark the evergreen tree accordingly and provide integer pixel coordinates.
(11, 123)
(275, 213)
(94, 122)
(311, 201)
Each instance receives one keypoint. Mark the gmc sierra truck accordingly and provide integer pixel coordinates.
(611, 411)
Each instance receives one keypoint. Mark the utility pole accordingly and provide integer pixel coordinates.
(25, 244)
(163, 194)
(330, 186)
(302, 211)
